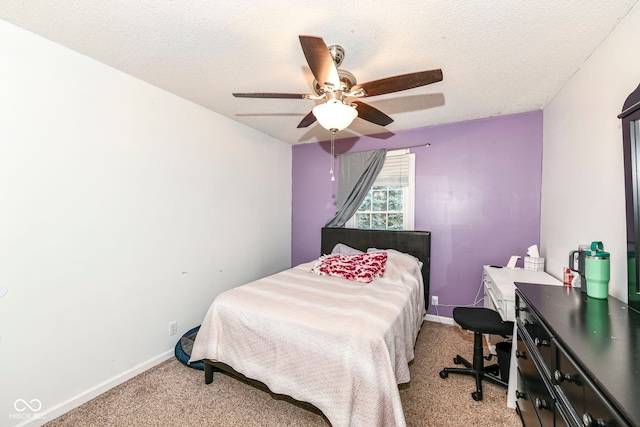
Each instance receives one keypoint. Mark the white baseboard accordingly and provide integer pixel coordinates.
(64, 407)
(439, 319)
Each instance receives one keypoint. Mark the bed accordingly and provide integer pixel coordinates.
(339, 345)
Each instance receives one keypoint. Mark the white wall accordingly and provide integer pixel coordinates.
(122, 208)
(583, 184)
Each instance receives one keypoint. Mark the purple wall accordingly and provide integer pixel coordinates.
(477, 191)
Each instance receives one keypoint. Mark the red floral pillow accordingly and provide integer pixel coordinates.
(361, 267)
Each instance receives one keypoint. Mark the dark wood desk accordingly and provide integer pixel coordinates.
(578, 358)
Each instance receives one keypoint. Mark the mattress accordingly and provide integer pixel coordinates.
(341, 345)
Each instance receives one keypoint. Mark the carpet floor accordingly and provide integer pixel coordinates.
(171, 394)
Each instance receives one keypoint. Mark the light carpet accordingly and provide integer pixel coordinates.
(172, 394)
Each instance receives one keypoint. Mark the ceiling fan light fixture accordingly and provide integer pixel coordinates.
(335, 115)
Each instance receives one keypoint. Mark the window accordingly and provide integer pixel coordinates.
(390, 202)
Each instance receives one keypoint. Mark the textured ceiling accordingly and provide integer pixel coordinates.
(497, 56)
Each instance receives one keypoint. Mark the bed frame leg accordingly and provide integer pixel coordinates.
(208, 373)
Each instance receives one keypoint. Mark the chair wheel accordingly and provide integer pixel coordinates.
(477, 396)
(457, 360)
(444, 374)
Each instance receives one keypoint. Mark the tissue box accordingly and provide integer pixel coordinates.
(533, 264)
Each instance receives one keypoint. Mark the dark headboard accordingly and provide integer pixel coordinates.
(416, 243)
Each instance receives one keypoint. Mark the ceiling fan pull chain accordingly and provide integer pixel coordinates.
(333, 178)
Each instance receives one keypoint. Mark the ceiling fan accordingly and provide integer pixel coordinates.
(340, 89)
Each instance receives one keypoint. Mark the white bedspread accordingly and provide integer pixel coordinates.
(340, 345)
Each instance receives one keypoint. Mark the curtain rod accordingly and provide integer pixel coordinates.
(427, 145)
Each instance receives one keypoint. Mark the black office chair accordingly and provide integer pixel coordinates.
(480, 321)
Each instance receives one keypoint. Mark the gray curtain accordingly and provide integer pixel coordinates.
(358, 171)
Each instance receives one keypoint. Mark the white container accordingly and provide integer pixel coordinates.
(533, 264)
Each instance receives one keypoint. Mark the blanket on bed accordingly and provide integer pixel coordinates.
(341, 345)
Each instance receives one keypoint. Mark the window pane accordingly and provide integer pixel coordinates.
(395, 222)
(366, 203)
(363, 220)
(379, 221)
(395, 200)
(380, 200)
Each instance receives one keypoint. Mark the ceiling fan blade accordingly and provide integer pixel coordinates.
(400, 82)
(308, 120)
(272, 95)
(371, 114)
(320, 60)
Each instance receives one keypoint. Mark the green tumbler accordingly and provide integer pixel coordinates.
(596, 271)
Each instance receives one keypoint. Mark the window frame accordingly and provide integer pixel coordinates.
(408, 193)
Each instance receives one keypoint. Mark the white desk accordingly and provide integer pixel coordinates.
(500, 290)
(500, 295)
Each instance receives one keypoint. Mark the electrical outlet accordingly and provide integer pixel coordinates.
(434, 300)
(173, 328)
